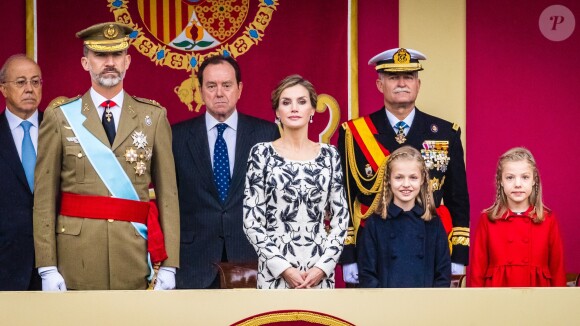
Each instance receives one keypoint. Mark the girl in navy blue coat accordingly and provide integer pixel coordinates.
(403, 244)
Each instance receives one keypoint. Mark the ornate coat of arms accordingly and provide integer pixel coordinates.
(185, 32)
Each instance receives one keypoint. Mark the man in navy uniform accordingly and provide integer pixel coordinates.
(366, 142)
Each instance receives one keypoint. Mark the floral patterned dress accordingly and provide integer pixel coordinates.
(285, 206)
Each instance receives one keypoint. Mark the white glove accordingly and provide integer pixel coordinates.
(51, 279)
(165, 279)
(457, 269)
(350, 273)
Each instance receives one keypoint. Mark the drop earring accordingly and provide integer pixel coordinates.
(311, 118)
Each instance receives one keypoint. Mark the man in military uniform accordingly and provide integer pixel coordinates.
(366, 142)
(94, 225)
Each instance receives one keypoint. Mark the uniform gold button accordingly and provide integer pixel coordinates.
(62, 230)
(110, 220)
(79, 155)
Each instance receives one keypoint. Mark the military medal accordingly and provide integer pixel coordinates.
(140, 168)
(369, 170)
(400, 137)
(148, 121)
(139, 139)
(429, 164)
(148, 154)
(131, 155)
(108, 114)
(425, 152)
(435, 153)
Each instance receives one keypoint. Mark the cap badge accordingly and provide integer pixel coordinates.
(402, 56)
(110, 32)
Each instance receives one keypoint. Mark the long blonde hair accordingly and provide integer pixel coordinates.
(425, 197)
(500, 207)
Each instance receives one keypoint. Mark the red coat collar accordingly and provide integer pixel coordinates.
(528, 213)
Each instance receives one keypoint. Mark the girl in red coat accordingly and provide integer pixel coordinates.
(517, 242)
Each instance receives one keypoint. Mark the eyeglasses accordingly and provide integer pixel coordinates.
(35, 82)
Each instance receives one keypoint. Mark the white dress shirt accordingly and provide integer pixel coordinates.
(98, 99)
(229, 136)
(18, 133)
(394, 120)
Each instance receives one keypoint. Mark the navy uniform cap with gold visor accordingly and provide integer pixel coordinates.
(398, 60)
(106, 37)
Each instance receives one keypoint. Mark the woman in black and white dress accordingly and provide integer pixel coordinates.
(292, 185)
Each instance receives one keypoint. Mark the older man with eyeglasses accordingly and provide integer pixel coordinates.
(21, 85)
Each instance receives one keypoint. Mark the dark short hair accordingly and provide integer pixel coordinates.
(292, 81)
(216, 60)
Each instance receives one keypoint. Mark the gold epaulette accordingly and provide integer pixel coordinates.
(455, 126)
(147, 101)
(61, 100)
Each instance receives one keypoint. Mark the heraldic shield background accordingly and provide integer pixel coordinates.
(270, 39)
(517, 59)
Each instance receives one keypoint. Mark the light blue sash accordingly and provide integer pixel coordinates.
(104, 162)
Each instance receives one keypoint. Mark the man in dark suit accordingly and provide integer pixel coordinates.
(365, 143)
(21, 85)
(211, 153)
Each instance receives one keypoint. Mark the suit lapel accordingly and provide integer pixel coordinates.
(8, 151)
(127, 122)
(199, 150)
(418, 132)
(93, 122)
(386, 134)
(243, 144)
